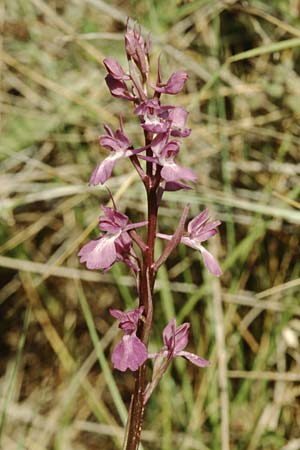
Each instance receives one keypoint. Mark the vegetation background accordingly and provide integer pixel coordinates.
(57, 388)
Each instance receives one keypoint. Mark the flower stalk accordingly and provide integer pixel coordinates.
(119, 241)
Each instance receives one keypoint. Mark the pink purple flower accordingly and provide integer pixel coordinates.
(130, 352)
(120, 147)
(160, 119)
(200, 229)
(114, 245)
(175, 340)
(165, 152)
(153, 117)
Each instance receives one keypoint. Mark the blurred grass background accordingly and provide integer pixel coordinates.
(57, 388)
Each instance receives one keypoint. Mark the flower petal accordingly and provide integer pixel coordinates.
(115, 70)
(128, 320)
(210, 262)
(130, 353)
(181, 337)
(100, 253)
(102, 171)
(199, 220)
(175, 186)
(169, 335)
(118, 88)
(195, 359)
(174, 84)
(171, 172)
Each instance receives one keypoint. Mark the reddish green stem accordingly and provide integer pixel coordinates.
(146, 284)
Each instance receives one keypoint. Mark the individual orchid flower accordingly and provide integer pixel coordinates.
(153, 117)
(171, 172)
(130, 352)
(159, 119)
(176, 339)
(174, 84)
(165, 153)
(120, 146)
(114, 245)
(200, 229)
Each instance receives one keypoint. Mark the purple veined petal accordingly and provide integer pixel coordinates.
(100, 253)
(174, 84)
(123, 140)
(204, 236)
(113, 221)
(211, 225)
(206, 230)
(200, 362)
(159, 143)
(175, 186)
(118, 88)
(116, 313)
(188, 174)
(190, 242)
(172, 172)
(128, 320)
(115, 70)
(178, 116)
(118, 143)
(129, 353)
(181, 337)
(170, 150)
(134, 315)
(169, 335)
(210, 262)
(123, 248)
(199, 220)
(124, 241)
(103, 170)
